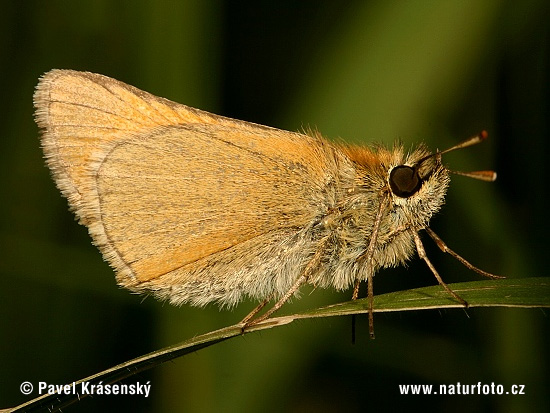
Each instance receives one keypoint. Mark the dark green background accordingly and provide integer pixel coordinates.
(433, 71)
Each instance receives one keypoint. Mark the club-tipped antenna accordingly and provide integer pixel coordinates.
(488, 176)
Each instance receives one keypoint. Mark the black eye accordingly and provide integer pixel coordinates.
(404, 181)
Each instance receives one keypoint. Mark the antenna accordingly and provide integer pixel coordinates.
(488, 176)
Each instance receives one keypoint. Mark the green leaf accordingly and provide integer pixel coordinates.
(526, 292)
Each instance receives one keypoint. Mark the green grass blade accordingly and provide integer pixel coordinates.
(526, 292)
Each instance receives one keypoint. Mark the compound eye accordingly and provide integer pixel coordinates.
(404, 181)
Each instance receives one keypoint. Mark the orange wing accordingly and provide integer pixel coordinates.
(189, 205)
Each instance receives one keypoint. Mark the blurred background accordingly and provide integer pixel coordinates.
(360, 71)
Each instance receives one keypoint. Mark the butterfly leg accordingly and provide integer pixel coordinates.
(256, 310)
(443, 247)
(422, 254)
(367, 258)
(301, 280)
(313, 263)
